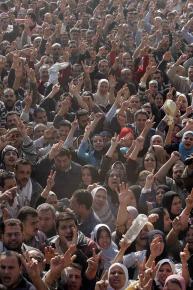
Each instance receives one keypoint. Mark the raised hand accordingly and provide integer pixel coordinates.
(56, 148)
(93, 263)
(55, 89)
(156, 247)
(175, 156)
(21, 127)
(51, 180)
(49, 253)
(101, 285)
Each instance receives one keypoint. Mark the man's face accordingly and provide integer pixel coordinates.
(177, 172)
(103, 67)
(63, 132)
(41, 117)
(10, 271)
(30, 226)
(13, 237)
(62, 163)
(98, 143)
(11, 121)
(74, 279)
(23, 174)
(75, 206)
(66, 230)
(9, 183)
(157, 77)
(190, 73)
(46, 221)
(140, 121)
(9, 99)
(83, 121)
(44, 75)
(10, 158)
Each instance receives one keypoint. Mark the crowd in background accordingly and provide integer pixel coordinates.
(87, 143)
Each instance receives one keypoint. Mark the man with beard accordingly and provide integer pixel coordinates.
(29, 190)
(11, 272)
(12, 236)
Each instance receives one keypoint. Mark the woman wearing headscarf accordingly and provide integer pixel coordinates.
(101, 97)
(173, 203)
(186, 145)
(101, 206)
(102, 236)
(176, 282)
(161, 250)
(165, 268)
(118, 277)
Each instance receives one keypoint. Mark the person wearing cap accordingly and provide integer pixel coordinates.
(9, 158)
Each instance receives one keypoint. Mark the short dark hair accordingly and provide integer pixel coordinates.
(11, 254)
(83, 197)
(39, 110)
(10, 222)
(93, 172)
(26, 211)
(11, 113)
(66, 215)
(81, 112)
(64, 152)
(64, 123)
(21, 161)
(141, 112)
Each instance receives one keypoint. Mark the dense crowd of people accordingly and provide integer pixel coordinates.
(96, 128)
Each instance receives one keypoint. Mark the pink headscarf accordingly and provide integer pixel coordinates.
(179, 278)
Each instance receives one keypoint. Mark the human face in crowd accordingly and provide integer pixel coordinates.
(114, 180)
(117, 277)
(63, 132)
(178, 170)
(134, 103)
(167, 221)
(9, 183)
(99, 199)
(104, 240)
(62, 163)
(158, 77)
(103, 89)
(103, 67)
(16, 139)
(159, 100)
(41, 117)
(127, 140)
(157, 140)
(12, 237)
(182, 103)
(74, 278)
(38, 256)
(126, 75)
(46, 221)
(190, 73)
(86, 176)
(10, 158)
(11, 121)
(176, 206)
(165, 270)
(30, 227)
(150, 162)
(188, 141)
(10, 271)
(140, 121)
(189, 239)
(23, 174)
(83, 121)
(153, 89)
(39, 131)
(159, 195)
(44, 75)
(98, 143)
(9, 98)
(66, 230)
(122, 119)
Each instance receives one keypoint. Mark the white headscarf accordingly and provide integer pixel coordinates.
(108, 254)
(125, 272)
(101, 99)
(160, 263)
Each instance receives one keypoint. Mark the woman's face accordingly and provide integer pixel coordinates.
(176, 206)
(164, 271)
(122, 119)
(117, 277)
(182, 103)
(172, 286)
(159, 100)
(159, 196)
(114, 180)
(135, 103)
(167, 221)
(160, 244)
(149, 162)
(103, 89)
(104, 239)
(100, 199)
(86, 176)
(188, 141)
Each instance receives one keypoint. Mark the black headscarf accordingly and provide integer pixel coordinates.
(167, 201)
(151, 236)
